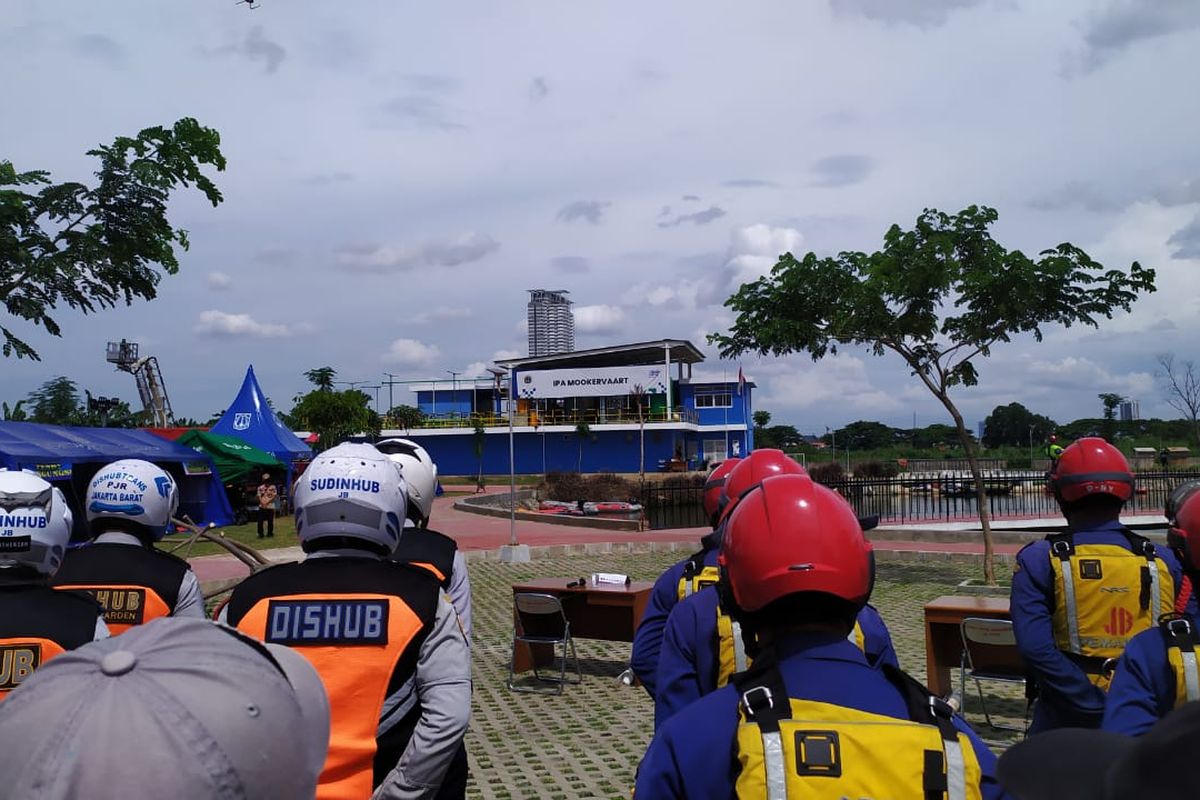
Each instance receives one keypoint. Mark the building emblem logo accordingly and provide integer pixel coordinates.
(241, 421)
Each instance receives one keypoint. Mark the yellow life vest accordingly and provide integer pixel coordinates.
(696, 575)
(1104, 595)
(1182, 639)
(791, 749)
(731, 650)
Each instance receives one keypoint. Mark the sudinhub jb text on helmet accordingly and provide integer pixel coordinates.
(133, 496)
(1183, 519)
(713, 486)
(789, 535)
(1091, 466)
(35, 523)
(419, 473)
(753, 470)
(351, 495)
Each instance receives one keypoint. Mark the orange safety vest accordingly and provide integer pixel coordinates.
(359, 622)
(429, 550)
(36, 624)
(132, 584)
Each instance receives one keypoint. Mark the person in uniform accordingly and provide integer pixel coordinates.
(382, 635)
(1158, 671)
(691, 574)
(129, 506)
(811, 717)
(36, 622)
(266, 495)
(436, 552)
(1078, 597)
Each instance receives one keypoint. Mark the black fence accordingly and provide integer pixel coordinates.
(927, 498)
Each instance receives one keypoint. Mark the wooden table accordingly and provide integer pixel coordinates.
(595, 612)
(943, 639)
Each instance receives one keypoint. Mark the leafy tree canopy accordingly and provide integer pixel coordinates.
(91, 247)
(322, 378)
(761, 419)
(57, 402)
(406, 416)
(1015, 425)
(334, 416)
(940, 296)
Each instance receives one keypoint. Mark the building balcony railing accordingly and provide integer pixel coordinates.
(594, 418)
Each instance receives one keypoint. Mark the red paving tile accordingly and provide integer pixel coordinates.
(477, 532)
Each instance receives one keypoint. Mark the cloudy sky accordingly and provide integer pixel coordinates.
(399, 174)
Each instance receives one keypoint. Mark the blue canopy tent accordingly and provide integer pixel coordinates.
(68, 457)
(251, 419)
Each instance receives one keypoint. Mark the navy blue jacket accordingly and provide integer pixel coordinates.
(1143, 687)
(1066, 697)
(687, 666)
(647, 641)
(694, 753)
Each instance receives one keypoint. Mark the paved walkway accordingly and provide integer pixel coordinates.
(475, 532)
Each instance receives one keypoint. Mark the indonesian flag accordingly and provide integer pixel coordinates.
(741, 382)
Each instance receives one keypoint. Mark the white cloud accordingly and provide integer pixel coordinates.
(220, 323)
(755, 249)
(1084, 377)
(411, 353)
(388, 258)
(840, 381)
(440, 314)
(218, 281)
(600, 319)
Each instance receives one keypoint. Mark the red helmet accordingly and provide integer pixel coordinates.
(1183, 515)
(713, 485)
(791, 535)
(753, 470)
(1091, 466)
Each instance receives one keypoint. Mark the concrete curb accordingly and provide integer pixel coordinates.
(491, 506)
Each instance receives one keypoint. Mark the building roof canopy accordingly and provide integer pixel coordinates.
(621, 355)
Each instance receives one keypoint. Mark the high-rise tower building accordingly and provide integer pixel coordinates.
(551, 323)
(1129, 411)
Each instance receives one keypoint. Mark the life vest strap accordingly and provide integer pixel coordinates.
(1181, 636)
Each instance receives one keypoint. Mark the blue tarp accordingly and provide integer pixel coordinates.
(251, 419)
(70, 456)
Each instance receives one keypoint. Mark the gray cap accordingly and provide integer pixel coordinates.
(178, 707)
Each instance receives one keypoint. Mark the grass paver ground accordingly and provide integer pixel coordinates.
(587, 742)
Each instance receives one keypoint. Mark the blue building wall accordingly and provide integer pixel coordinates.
(451, 402)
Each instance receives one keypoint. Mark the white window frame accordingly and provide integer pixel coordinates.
(713, 396)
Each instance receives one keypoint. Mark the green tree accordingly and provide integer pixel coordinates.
(582, 432)
(1110, 401)
(92, 247)
(406, 416)
(322, 378)
(335, 416)
(781, 437)
(940, 296)
(761, 420)
(1015, 425)
(935, 435)
(15, 412)
(55, 402)
(866, 435)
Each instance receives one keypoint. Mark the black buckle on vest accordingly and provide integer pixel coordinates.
(1062, 549)
(940, 708)
(1179, 627)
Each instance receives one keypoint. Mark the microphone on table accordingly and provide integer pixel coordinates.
(579, 582)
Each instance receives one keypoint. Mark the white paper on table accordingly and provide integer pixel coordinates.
(609, 578)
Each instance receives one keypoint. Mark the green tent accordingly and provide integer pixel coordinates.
(235, 460)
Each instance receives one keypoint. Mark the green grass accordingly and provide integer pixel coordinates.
(285, 536)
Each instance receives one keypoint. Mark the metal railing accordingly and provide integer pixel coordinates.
(553, 417)
(929, 497)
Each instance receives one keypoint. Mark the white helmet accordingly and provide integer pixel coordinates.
(132, 496)
(351, 491)
(420, 474)
(35, 522)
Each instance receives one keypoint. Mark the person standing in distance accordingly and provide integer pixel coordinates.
(382, 635)
(36, 622)
(266, 493)
(129, 507)
(1078, 597)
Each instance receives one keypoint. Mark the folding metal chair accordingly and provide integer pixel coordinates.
(990, 654)
(542, 621)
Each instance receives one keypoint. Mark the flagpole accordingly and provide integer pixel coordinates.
(725, 380)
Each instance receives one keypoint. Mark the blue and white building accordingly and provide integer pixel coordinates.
(580, 411)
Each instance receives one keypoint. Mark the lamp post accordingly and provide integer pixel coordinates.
(390, 381)
(1031, 447)
(376, 387)
(454, 391)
